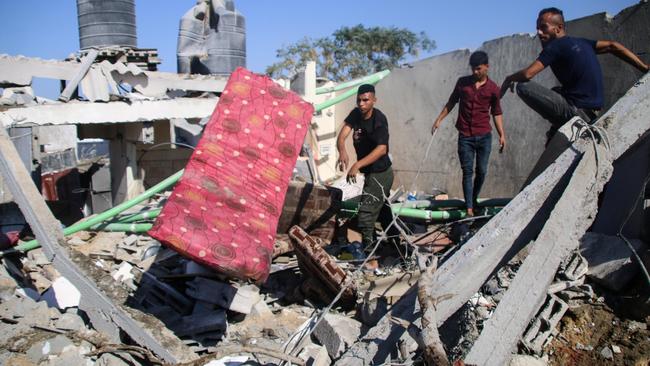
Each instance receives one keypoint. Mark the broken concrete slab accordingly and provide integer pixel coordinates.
(112, 112)
(559, 236)
(610, 259)
(336, 333)
(70, 321)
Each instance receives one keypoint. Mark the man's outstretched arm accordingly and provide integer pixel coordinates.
(621, 52)
(521, 75)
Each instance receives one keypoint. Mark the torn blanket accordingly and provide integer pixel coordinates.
(224, 211)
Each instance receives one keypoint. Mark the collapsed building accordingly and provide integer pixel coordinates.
(104, 290)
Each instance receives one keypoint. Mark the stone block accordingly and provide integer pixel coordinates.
(336, 333)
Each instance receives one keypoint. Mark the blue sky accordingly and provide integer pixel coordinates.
(48, 28)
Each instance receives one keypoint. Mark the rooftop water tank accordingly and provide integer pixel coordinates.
(106, 23)
(212, 39)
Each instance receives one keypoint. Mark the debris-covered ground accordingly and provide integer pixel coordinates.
(201, 311)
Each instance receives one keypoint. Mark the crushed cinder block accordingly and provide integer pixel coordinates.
(62, 294)
(544, 325)
(336, 333)
(574, 267)
(610, 259)
(315, 355)
(227, 296)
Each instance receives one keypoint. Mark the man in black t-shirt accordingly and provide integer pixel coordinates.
(369, 129)
(574, 63)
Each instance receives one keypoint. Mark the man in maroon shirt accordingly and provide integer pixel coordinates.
(478, 97)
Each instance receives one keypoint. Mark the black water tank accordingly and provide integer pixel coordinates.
(106, 23)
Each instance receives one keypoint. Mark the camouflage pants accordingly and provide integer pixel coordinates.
(373, 204)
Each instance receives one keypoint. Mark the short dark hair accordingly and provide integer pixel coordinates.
(366, 88)
(554, 11)
(478, 58)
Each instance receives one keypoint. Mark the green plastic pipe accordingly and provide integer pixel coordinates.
(140, 216)
(351, 83)
(429, 215)
(83, 225)
(347, 94)
(130, 228)
(481, 202)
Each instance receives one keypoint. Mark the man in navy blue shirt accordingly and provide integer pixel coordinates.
(574, 63)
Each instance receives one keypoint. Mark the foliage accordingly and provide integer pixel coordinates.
(351, 52)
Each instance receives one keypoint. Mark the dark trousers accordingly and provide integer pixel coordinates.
(468, 148)
(551, 105)
(373, 204)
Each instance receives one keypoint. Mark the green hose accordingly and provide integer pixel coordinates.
(150, 214)
(366, 79)
(130, 228)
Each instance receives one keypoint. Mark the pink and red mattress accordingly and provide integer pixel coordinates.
(224, 211)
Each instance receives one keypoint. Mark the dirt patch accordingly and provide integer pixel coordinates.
(586, 330)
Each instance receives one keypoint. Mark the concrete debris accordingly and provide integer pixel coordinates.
(336, 333)
(63, 294)
(607, 353)
(315, 355)
(544, 325)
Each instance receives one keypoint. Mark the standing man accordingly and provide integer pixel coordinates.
(478, 97)
(574, 63)
(370, 138)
